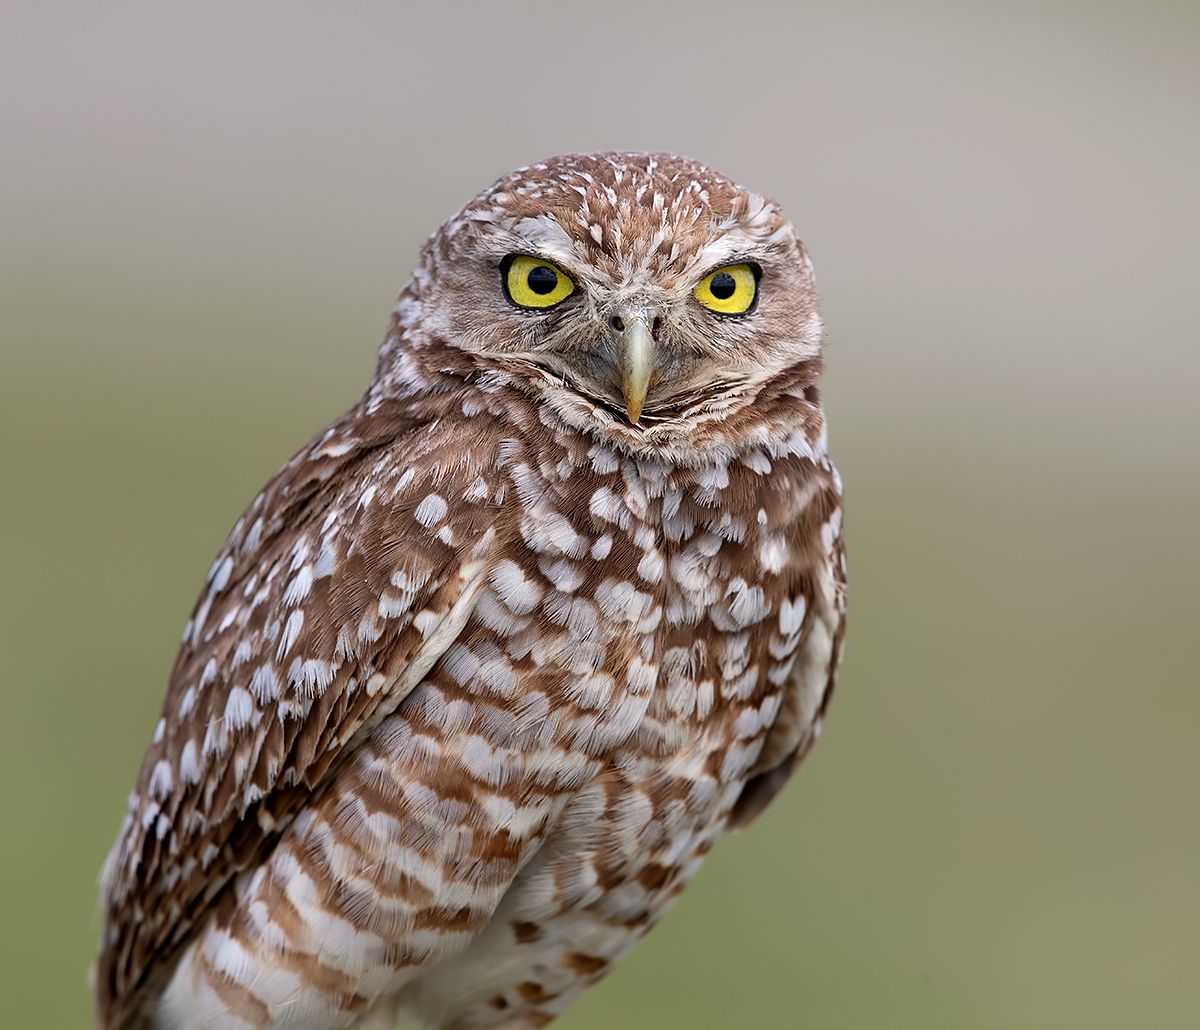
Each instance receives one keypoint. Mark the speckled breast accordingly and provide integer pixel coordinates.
(626, 638)
(621, 667)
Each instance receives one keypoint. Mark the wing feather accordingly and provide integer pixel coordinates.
(334, 594)
(819, 591)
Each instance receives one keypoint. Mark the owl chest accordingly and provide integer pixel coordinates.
(633, 611)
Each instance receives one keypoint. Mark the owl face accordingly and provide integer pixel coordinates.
(638, 294)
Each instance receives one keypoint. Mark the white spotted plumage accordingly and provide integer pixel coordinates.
(482, 674)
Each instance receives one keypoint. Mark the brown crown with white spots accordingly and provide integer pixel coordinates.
(635, 232)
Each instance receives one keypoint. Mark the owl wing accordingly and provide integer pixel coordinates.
(335, 593)
(812, 625)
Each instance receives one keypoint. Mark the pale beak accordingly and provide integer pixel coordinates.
(636, 348)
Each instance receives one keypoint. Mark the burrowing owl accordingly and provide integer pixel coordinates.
(482, 673)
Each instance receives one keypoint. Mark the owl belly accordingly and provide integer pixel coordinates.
(619, 848)
(611, 863)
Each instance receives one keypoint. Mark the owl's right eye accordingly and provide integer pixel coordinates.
(530, 282)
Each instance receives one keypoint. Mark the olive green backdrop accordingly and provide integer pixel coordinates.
(205, 211)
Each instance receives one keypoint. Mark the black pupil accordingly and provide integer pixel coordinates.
(722, 286)
(542, 279)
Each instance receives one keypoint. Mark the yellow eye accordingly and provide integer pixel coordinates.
(728, 291)
(533, 283)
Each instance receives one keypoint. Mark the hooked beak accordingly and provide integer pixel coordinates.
(635, 345)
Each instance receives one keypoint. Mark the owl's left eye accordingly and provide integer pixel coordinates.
(530, 282)
(731, 290)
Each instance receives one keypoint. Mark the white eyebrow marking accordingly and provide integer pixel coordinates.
(543, 233)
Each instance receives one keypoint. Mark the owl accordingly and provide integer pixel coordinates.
(480, 676)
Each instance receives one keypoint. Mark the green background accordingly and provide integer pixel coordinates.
(204, 214)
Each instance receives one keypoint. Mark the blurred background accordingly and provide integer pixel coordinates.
(205, 212)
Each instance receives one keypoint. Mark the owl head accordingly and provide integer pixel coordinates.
(643, 297)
